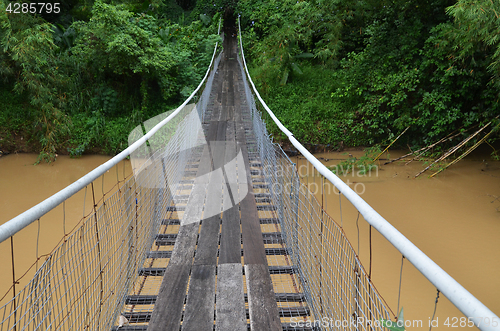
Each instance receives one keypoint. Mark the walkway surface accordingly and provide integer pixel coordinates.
(224, 233)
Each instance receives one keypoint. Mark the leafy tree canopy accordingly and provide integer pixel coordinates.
(432, 65)
(90, 82)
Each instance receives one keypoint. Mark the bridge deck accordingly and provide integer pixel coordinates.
(218, 275)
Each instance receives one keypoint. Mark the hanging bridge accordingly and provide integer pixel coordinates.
(213, 232)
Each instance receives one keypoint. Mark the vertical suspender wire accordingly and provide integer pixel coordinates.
(117, 179)
(63, 256)
(37, 244)
(84, 198)
(326, 200)
(340, 204)
(400, 281)
(13, 281)
(64, 219)
(322, 251)
(85, 293)
(370, 241)
(357, 226)
(98, 244)
(435, 307)
(370, 277)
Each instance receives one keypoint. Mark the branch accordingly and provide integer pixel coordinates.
(453, 149)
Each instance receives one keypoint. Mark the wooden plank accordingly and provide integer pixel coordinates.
(231, 87)
(205, 165)
(196, 202)
(208, 241)
(263, 309)
(261, 299)
(167, 311)
(183, 251)
(198, 194)
(230, 240)
(199, 311)
(230, 168)
(230, 310)
(224, 98)
(213, 200)
(253, 246)
(218, 153)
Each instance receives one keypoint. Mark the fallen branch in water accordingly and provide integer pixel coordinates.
(375, 159)
(424, 149)
(468, 151)
(430, 146)
(453, 149)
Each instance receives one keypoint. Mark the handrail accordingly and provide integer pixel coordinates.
(470, 306)
(19, 222)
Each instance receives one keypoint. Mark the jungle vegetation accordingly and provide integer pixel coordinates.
(79, 81)
(340, 73)
(358, 73)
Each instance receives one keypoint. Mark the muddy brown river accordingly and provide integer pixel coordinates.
(453, 218)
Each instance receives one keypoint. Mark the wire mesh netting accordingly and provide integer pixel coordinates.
(85, 281)
(336, 287)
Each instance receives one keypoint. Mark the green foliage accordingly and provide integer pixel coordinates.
(360, 166)
(63, 38)
(212, 7)
(305, 105)
(106, 99)
(390, 63)
(95, 131)
(477, 29)
(15, 116)
(27, 44)
(91, 82)
(116, 41)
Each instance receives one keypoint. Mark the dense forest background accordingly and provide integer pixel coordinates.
(340, 73)
(79, 81)
(358, 73)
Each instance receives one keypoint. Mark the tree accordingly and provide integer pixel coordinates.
(477, 29)
(27, 44)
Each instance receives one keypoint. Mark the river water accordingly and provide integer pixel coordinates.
(453, 218)
(23, 185)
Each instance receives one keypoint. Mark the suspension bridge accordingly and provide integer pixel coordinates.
(214, 231)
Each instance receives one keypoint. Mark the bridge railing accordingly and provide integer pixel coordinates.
(83, 282)
(331, 269)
